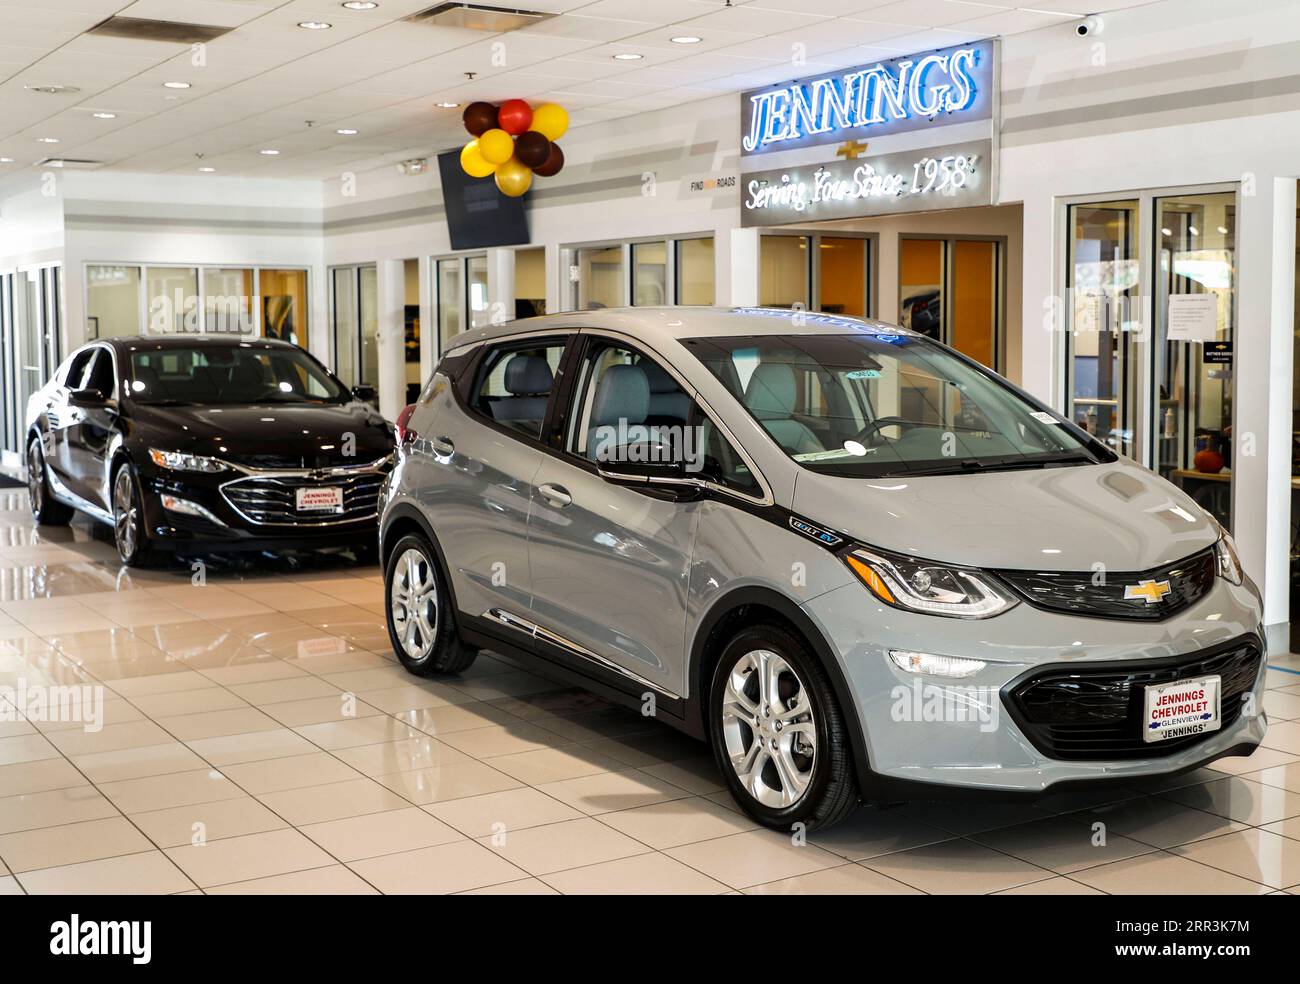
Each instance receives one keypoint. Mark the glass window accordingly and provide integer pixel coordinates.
(100, 375)
(843, 275)
(783, 271)
(368, 315)
(600, 277)
(626, 398)
(530, 282)
(172, 300)
(112, 301)
(1103, 311)
(284, 305)
(696, 270)
(649, 274)
(920, 285)
(228, 301)
(1196, 258)
(450, 303)
(76, 369)
(975, 283)
(343, 281)
(476, 281)
(516, 384)
(863, 405)
(237, 374)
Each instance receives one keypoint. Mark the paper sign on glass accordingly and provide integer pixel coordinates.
(1193, 317)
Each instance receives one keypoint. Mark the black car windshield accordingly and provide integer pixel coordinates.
(872, 404)
(243, 373)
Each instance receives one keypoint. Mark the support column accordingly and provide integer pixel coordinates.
(391, 290)
(742, 275)
(428, 320)
(1042, 316)
(1261, 454)
(501, 285)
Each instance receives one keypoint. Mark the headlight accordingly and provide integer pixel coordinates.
(923, 586)
(180, 461)
(1225, 555)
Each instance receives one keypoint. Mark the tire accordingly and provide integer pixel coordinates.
(129, 530)
(46, 510)
(421, 623)
(801, 784)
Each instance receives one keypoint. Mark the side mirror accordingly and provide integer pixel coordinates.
(87, 399)
(364, 393)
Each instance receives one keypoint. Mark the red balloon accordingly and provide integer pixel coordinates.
(515, 116)
(532, 149)
(553, 163)
(479, 117)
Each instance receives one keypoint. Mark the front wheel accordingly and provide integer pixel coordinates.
(420, 620)
(128, 518)
(778, 733)
(46, 510)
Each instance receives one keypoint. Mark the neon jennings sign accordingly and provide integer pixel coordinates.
(948, 86)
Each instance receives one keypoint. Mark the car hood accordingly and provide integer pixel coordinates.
(1118, 515)
(272, 435)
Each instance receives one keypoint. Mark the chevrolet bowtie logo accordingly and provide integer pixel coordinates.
(1149, 591)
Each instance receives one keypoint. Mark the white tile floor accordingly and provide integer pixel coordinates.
(259, 736)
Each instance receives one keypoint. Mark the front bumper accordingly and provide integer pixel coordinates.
(954, 734)
(224, 525)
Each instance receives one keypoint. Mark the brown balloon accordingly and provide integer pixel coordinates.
(553, 163)
(479, 117)
(532, 149)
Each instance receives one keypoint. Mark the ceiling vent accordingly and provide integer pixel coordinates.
(477, 17)
(68, 163)
(142, 29)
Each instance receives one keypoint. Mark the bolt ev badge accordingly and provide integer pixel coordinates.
(1149, 591)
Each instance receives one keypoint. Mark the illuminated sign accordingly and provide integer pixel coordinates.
(908, 93)
(907, 181)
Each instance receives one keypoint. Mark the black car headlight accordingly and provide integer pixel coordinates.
(925, 586)
(184, 461)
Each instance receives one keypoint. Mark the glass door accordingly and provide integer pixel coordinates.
(950, 288)
(1103, 276)
(354, 313)
(450, 306)
(9, 414)
(1195, 239)
(829, 273)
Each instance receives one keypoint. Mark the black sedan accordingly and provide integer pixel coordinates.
(207, 443)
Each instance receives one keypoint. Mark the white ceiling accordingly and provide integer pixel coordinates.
(259, 85)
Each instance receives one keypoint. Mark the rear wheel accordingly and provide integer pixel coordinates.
(128, 518)
(420, 620)
(46, 510)
(778, 733)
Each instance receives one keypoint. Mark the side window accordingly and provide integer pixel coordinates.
(723, 463)
(99, 375)
(77, 369)
(625, 398)
(515, 385)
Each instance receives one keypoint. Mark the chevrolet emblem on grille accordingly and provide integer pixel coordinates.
(1149, 591)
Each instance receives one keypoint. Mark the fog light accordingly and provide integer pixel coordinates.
(929, 663)
(186, 508)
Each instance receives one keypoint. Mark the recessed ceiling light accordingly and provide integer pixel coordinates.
(346, 132)
(361, 4)
(270, 153)
(47, 139)
(315, 25)
(104, 116)
(628, 56)
(176, 85)
(51, 90)
(207, 170)
(448, 105)
(687, 39)
(6, 160)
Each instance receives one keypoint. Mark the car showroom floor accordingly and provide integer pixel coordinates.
(228, 761)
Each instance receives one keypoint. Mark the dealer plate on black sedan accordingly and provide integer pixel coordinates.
(1176, 710)
(319, 499)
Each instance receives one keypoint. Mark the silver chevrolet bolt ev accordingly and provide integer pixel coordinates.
(858, 564)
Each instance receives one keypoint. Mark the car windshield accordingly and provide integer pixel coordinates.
(239, 374)
(873, 404)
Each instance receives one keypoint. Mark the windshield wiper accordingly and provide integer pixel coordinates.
(1002, 464)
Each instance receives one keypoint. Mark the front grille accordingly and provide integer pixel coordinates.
(1095, 711)
(1101, 595)
(271, 501)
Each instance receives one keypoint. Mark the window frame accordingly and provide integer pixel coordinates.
(467, 395)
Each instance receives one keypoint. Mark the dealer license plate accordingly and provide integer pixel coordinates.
(320, 500)
(1176, 710)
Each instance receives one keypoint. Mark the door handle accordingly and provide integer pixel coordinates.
(443, 446)
(557, 495)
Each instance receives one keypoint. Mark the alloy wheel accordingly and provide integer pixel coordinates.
(413, 598)
(769, 729)
(126, 514)
(35, 478)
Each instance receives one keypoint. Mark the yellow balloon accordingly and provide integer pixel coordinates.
(496, 146)
(513, 178)
(550, 120)
(472, 162)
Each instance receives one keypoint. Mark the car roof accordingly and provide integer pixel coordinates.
(135, 343)
(658, 323)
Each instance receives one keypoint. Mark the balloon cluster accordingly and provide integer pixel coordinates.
(513, 142)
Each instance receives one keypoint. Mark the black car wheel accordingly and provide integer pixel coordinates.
(47, 510)
(421, 624)
(128, 518)
(778, 734)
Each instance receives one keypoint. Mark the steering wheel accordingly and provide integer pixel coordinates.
(873, 427)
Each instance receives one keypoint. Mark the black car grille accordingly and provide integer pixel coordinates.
(273, 500)
(1096, 711)
(1073, 593)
